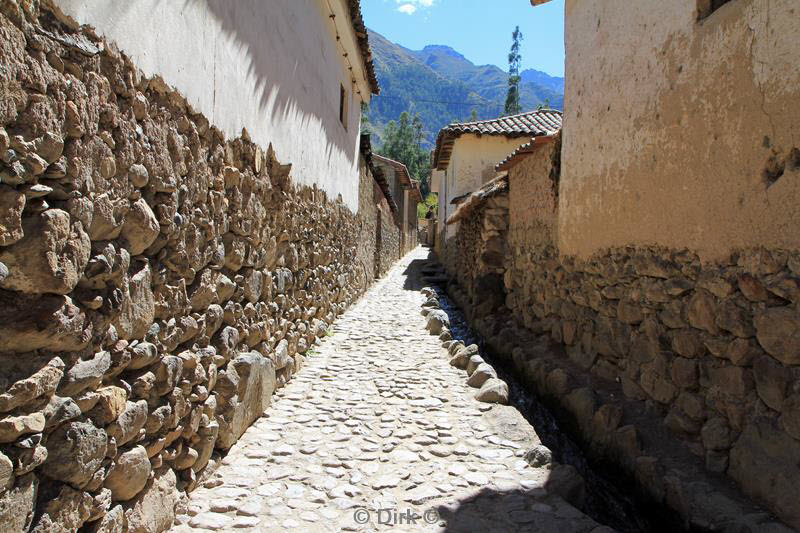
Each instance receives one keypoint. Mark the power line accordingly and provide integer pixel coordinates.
(422, 100)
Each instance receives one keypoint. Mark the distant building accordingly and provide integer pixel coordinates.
(407, 195)
(466, 155)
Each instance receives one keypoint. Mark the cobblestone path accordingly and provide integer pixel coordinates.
(378, 419)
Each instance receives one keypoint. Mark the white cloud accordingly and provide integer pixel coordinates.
(409, 7)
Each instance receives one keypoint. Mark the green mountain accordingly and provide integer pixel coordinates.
(443, 87)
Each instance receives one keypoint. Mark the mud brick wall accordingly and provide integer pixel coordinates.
(157, 283)
(533, 213)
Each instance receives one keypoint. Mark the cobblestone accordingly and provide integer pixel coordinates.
(378, 420)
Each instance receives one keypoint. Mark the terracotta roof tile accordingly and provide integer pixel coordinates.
(522, 152)
(473, 200)
(532, 124)
(363, 43)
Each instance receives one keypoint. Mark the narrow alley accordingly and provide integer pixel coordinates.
(378, 427)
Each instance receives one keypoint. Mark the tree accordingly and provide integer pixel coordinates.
(431, 204)
(365, 125)
(474, 116)
(514, 63)
(403, 142)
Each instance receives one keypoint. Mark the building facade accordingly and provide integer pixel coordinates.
(293, 74)
(466, 155)
(652, 261)
(407, 196)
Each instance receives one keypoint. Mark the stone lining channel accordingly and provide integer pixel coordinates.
(608, 498)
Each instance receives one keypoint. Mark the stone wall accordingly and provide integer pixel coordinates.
(412, 231)
(715, 349)
(157, 283)
(479, 251)
(708, 352)
(388, 250)
(368, 220)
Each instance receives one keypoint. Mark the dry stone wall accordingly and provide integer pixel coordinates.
(388, 250)
(479, 262)
(714, 349)
(157, 283)
(368, 219)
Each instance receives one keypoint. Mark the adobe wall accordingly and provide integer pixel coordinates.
(533, 213)
(158, 281)
(641, 346)
(700, 116)
(236, 63)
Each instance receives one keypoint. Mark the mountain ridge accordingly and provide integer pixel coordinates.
(443, 86)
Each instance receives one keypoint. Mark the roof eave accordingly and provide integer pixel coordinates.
(360, 30)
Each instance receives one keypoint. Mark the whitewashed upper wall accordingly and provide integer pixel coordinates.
(273, 67)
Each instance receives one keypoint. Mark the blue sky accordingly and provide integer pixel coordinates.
(478, 29)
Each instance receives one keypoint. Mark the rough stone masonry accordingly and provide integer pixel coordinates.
(641, 346)
(157, 283)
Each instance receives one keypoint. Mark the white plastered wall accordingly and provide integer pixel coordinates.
(271, 66)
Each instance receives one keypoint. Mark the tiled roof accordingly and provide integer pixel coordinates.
(401, 172)
(523, 151)
(499, 185)
(531, 124)
(363, 43)
(400, 169)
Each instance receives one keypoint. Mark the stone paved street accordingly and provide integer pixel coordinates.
(378, 419)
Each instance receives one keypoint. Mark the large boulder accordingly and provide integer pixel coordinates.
(764, 461)
(50, 257)
(66, 512)
(153, 509)
(129, 473)
(108, 217)
(483, 373)
(16, 505)
(130, 421)
(85, 374)
(75, 451)
(437, 319)
(463, 355)
(6, 473)
(13, 427)
(256, 383)
(494, 390)
(778, 332)
(12, 203)
(140, 228)
(46, 322)
(42, 383)
(138, 306)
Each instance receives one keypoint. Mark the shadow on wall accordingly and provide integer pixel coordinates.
(275, 40)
